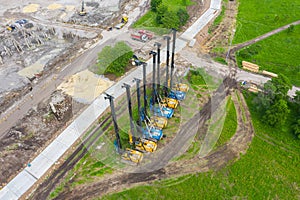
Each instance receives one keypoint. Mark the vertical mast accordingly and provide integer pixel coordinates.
(113, 114)
(172, 60)
(132, 135)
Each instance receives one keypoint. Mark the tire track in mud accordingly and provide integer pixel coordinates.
(44, 189)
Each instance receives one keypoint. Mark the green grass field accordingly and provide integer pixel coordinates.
(278, 53)
(148, 22)
(257, 17)
(269, 170)
(230, 124)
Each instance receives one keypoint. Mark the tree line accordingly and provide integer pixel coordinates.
(169, 18)
(275, 104)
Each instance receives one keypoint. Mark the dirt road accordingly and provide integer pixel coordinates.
(264, 36)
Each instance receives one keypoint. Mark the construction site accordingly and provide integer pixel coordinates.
(69, 132)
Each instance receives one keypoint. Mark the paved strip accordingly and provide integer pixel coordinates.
(26, 178)
(198, 25)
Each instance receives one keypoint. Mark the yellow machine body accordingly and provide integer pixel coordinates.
(159, 122)
(145, 145)
(132, 155)
(181, 87)
(169, 102)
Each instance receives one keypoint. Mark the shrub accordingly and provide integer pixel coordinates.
(183, 16)
(154, 4)
(113, 60)
(161, 11)
(171, 20)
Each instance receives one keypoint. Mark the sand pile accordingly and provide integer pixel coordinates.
(54, 6)
(85, 86)
(70, 8)
(31, 8)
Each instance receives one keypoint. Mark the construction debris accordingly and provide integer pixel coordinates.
(61, 105)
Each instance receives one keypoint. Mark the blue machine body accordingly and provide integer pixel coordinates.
(179, 95)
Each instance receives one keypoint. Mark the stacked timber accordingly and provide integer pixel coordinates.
(254, 88)
(250, 66)
(264, 72)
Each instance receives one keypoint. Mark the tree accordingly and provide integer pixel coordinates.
(154, 4)
(297, 98)
(277, 114)
(274, 90)
(183, 16)
(171, 20)
(161, 11)
(266, 98)
(283, 85)
(296, 128)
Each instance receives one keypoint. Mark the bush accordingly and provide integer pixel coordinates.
(171, 20)
(183, 16)
(161, 11)
(113, 60)
(247, 52)
(154, 4)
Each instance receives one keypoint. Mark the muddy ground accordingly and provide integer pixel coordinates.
(24, 47)
(27, 138)
(219, 36)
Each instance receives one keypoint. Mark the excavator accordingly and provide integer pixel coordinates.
(141, 144)
(128, 154)
(167, 101)
(156, 121)
(82, 12)
(124, 21)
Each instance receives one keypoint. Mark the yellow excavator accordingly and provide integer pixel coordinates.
(181, 87)
(82, 12)
(124, 21)
(142, 144)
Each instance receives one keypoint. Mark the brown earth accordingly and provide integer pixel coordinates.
(28, 137)
(220, 35)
